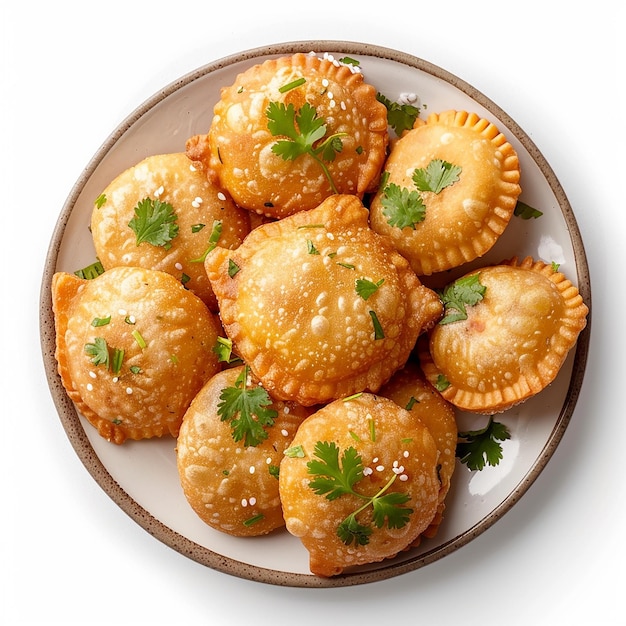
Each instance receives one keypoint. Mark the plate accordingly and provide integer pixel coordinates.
(141, 477)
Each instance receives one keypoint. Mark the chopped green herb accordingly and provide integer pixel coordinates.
(334, 477)
(295, 452)
(154, 223)
(400, 117)
(100, 321)
(442, 383)
(378, 329)
(477, 448)
(304, 131)
(525, 211)
(141, 342)
(555, 266)
(196, 228)
(245, 408)
(135, 369)
(98, 351)
(467, 290)
(366, 288)
(436, 176)
(116, 360)
(224, 349)
(311, 247)
(216, 233)
(402, 207)
(411, 403)
(233, 268)
(354, 396)
(254, 520)
(349, 61)
(274, 470)
(292, 85)
(100, 200)
(90, 271)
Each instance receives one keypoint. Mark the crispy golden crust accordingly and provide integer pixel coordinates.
(294, 313)
(233, 487)
(513, 342)
(157, 381)
(393, 444)
(237, 151)
(465, 219)
(409, 388)
(169, 178)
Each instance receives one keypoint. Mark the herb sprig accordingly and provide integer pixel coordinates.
(245, 408)
(306, 134)
(477, 448)
(335, 477)
(154, 223)
(465, 291)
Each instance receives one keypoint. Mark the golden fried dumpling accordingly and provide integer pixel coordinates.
(160, 214)
(359, 483)
(251, 150)
(451, 186)
(319, 305)
(409, 388)
(228, 457)
(508, 345)
(133, 348)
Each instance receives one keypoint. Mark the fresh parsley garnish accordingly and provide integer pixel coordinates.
(101, 354)
(405, 207)
(400, 117)
(224, 349)
(366, 288)
(525, 211)
(245, 407)
(402, 207)
(334, 477)
(90, 271)
(154, 223)
(436, 176)
(477, 448)
(465, 291)
(306, 134)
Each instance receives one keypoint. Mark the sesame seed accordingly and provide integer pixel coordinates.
(252, 469)
(367, 471)
(268, 460)
(92, 374)
(89, 387)
(252, 501)
(244, 503)
(129, 390)
(159, 191)
(178, 266)
(221, 196)
(122, 311)
(405, 454)
(380, 468)
(192, 168)
(403, 477)
(284, 432)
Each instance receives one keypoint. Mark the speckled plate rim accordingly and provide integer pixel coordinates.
(83, 448)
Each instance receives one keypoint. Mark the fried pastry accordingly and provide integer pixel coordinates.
(319, 305)
(163, 214)
(133, 348)
(291, 131)
(228, 458)
(450, 188)
(359, 483)
(510, 342)
(409, 388)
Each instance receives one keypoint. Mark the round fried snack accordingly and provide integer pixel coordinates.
(149, 194)
(409, 388)
(460, 180)
(291, 131)
(512, 343)
(228, 470)
(343, 456)
(319, 305)
(133, 348)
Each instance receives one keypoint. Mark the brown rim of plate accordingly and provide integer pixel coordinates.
(74, 429)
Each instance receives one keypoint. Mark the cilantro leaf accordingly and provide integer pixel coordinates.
(476, 448)
(402, 207)
(245, 408)
(400, 117)
(436, 176)
(366, 288)
(467, 290)
(154, 223)
(90, 271)
(304, 131)
(525, 211)
(335, 477)
(98, 351)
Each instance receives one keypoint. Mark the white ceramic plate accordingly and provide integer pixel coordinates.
(141, 477)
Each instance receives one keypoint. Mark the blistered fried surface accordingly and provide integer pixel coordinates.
(237, 151)
(295, 313)
(197, 203)
(233, 487)
(464, 220)
(390, 442)
(164, 333)
(513, 342)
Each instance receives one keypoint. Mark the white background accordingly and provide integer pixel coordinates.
(71, 72)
